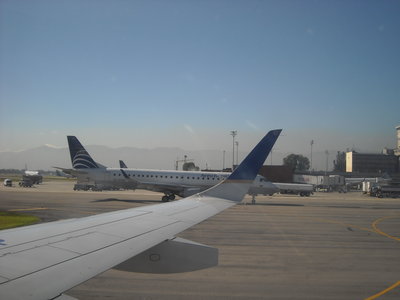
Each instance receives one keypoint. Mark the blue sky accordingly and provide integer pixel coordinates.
(184, 73)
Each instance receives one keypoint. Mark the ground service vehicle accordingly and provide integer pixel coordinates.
(7, 182)
(295, 188)
(25, 183)
(381, 191)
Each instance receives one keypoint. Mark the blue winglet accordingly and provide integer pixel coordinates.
(250, 166)
(236, 186)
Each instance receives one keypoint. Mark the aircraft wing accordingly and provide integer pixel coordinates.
(43, 261)
(73, 172)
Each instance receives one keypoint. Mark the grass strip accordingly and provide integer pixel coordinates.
(11, 220)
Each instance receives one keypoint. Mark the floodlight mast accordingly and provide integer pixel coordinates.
(233, 134)
(237, 152)
(311, 144)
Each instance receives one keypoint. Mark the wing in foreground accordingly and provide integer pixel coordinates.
(42, 261)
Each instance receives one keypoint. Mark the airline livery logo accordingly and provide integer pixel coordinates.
(79, 157)
(82, 160)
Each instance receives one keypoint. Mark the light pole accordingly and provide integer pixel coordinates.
(311, 144)
(223, 160)
(233, 134)
(237, 152)
(327, 154)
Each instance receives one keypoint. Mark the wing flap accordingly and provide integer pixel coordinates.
(29, 261)
(87, 243)
(22, 238)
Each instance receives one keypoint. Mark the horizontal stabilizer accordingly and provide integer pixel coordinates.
(172, 256)
(73, 172)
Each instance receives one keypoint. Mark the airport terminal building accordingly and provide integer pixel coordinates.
(387, 162)
(371, 163)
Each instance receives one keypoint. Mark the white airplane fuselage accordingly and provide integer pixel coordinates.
(182, 183)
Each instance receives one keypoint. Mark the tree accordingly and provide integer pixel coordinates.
(189, 166)
(340, 163)
(297, 162)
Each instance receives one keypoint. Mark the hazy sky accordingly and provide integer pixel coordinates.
(185, 73)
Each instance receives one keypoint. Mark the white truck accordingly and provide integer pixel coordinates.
(295, 188)
(328, 183)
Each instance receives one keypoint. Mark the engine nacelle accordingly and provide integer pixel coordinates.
(172, 256)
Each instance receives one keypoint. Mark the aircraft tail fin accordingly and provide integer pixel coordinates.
(236, 186)
(122, 165)
(80, 158)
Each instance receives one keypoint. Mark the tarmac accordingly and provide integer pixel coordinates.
(327, 246)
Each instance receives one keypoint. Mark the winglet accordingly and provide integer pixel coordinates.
(253, 162)
(237, 184)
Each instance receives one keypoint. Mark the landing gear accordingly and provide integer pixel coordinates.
(167, 198)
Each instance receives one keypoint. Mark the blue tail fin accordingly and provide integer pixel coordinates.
(80, 158)
(253, 162)
(237, 184)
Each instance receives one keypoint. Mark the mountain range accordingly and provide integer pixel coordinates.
(46, 157)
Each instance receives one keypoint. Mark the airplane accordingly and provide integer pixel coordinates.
(170, 182)
(45, 260)
(33, 176)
